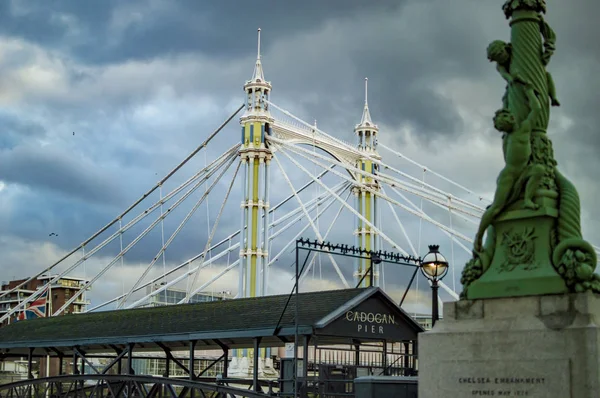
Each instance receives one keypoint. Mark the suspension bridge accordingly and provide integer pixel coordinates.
(282, 178)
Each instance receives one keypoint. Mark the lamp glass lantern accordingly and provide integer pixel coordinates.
(434, 265)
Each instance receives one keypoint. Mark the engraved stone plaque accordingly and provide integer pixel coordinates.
(510, 378)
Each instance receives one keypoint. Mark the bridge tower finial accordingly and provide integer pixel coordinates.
(258, 74)
(366, 129)
(366, 203)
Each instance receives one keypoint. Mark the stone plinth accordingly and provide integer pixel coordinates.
(537, 346)
(521, 265)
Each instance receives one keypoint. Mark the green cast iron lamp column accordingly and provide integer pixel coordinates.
(434, 267)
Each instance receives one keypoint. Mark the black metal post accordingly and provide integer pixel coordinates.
(30, 364)
(130, 359)
(297, 280)
(225, 362)
(191, 368)
(434, 302)
(384, 357)
(75, 360)
(371, 275)
(304, 365)
(255, 357)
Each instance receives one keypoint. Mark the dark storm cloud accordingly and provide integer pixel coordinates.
(135, 70)
(57, 171)
(14, 129)
(72, 220)
(157, 27)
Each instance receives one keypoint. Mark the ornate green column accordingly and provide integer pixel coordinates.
(533, 234)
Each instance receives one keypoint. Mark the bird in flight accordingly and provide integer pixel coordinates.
(53, 234)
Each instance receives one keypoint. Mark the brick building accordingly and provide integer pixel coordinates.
(58, 294)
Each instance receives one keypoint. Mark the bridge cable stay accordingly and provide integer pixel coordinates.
(356, 213)
(121, 230)
(360, 171)
(420, 245)
(310, 220)
(189, 261)
(298, 151)
(182, 224)
(326, 203)
(133, 243)
(439, 225)
(467, 190)
(314, 256)
(138, 218)
(208, 221)
(177, 230)
(452, 259)
(131, 207)
(348, 147)
(123, 257)
(216, 257)
(381, 233)
(186, 299)
(228, 268)
(235, 246)
(169, 272)
(385, 197)
(426, 217)
(317, 192)
(162, 231)
(415, 252)
(310, 205)
(441, 200)
(183, 276)
(437, 199)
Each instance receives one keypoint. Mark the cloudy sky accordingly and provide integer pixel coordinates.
(100, 99)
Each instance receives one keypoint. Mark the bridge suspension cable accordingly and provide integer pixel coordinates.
(299, 151)
(350, 147)
(186, 299)
(228, 156)
(136, 240)
(231, 248)
(310, 220)
(427, 169)
(131, 207)
(367, 222)
(178, 229)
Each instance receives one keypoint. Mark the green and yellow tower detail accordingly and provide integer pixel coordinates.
(366, 203)
(256, 158)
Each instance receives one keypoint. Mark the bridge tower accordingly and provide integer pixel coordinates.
(255, 157)
(366, 203)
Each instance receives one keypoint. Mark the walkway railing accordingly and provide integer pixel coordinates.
(120, 386)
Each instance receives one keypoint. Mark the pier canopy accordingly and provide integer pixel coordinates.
(348, 316)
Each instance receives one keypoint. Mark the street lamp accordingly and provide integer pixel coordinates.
(434, 267)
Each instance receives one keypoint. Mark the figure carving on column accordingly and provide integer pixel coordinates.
(518, 171)
(533, 199)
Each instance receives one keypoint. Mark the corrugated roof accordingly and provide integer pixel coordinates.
(230, 322)
(225, 315)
